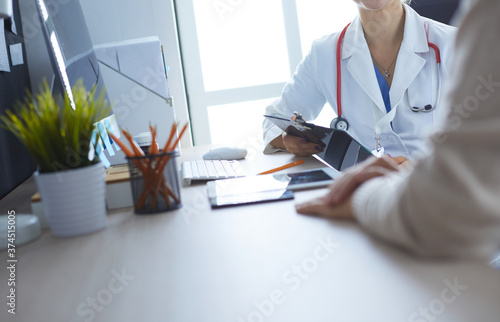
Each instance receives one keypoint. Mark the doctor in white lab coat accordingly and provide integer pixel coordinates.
(387, 37)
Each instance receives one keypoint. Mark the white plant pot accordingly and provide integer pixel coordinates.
(74, 200)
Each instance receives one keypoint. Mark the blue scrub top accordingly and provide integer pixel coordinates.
(384, 88)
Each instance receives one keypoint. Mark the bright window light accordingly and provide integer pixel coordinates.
(318, 18)
(238, 124)
(242, 45)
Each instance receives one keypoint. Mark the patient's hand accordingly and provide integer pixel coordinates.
(371, 168)
(337, 202)
(320, 207)
(402, 161)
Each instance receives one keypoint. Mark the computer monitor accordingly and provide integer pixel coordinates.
(72, 57)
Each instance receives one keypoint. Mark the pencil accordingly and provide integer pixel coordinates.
(174, 145)
(172, 133)
(286, 166)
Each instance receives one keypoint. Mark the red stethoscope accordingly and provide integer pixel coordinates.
(340, 123)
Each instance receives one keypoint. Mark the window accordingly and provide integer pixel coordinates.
(238, 54)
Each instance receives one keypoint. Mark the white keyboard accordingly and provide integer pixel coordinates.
(203, 170)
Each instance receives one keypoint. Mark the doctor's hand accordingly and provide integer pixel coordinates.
(296, 145)
(337, 202)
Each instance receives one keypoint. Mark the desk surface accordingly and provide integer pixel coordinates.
(249, 263)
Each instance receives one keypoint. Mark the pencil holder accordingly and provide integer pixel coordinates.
(155, 183)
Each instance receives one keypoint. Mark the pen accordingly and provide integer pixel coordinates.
(286, 166)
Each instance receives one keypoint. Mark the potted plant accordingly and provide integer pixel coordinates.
(59, 135)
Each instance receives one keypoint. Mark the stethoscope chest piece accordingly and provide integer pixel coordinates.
(426, 109)
(339, 123)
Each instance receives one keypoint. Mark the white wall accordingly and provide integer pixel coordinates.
(116, 20)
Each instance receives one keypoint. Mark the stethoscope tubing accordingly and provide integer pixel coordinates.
(438, 99)
(339, 71)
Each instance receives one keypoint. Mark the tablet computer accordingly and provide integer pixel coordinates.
(264, 188)
(342, 151)
(308, 179)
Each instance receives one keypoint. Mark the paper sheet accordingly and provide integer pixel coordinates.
(4, 57)
(105, 139)
(98, 149)
(112, 126)
(139, 59)
(16, 54)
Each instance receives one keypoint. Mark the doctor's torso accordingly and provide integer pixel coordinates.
(415, 83)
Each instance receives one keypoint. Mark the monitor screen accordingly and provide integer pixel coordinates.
(70, 48)
(73, 58)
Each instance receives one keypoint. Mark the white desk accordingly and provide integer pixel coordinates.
(249, 263)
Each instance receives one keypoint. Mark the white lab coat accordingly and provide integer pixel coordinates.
(415, 78)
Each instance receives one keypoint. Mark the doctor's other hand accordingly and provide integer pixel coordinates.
(337, 202)
(296, 145)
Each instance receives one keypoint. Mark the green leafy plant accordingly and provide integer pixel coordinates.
(56, 135)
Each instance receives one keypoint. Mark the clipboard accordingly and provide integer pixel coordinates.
(309, 131)
(339, 149)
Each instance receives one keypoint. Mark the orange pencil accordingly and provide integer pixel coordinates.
(154, 144)
(171, 136)
(125, 149)
(135, 147)
(174, 145)
(286, 166)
